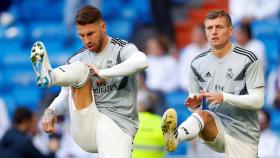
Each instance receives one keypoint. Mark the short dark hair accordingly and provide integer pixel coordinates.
(21, 114)
(88, 15)
(213, 14)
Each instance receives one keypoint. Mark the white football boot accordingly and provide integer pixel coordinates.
(169, 129)
(41, 64)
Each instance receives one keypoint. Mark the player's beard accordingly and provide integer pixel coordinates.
(99, 43)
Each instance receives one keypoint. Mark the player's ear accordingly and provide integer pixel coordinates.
(230, 29)
(103, 26)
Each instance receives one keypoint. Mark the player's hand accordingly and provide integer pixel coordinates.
(49, 121)
(93, 69)
(95, 72)
(215, 98)
(194, 101)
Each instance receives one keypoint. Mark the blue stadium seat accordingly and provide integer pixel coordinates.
(268, 31)
(134, 10)
(75, 46)
(10, 103)
(58, 59)
(272, 51)
(40, 10)
(15, 57)
(12, 34)
(9, 52)
(275, 117)
(19, 76)
(128, 12)
(120, 28)
(53, 46)
(27, 96)
(111, 9)
(176, 100)
(11, 44)
(266, 28)
(2, 82)
(16, 70)
(143, 10)
(10, 47)
(54, 31)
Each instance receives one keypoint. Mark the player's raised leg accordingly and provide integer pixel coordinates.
(65, 75)
(84, 116)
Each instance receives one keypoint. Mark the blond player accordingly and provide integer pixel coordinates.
(232, 81)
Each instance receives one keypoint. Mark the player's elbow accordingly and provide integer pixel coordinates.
(259, 102)
(142, 61)
(257, 97)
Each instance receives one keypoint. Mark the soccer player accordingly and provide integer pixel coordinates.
(231, 80)
(99, 88)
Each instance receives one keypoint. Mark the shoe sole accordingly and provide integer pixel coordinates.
(169, 125)
(37, 54)
(39, 62)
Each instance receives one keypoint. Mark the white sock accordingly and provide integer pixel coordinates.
(190, 128)
(75, 74)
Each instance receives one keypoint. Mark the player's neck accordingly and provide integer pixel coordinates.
(222, 51)
(104, 43)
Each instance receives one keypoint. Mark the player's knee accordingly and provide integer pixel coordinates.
(206, 116)
(84, 91)
(86, 88)
(83, 97)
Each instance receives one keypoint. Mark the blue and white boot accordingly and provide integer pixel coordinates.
(41, 64)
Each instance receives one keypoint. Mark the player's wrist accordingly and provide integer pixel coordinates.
(197, 106)
(49, 112)
(101, 74)
(225, 97)
(194, 107)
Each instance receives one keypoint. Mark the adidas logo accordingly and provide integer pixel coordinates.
(176, 133)
(208, 74)
(186, 131)
(60, 69)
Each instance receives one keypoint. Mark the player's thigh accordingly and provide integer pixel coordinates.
(210, 131)
(83, 96)
(83, 124)
(218, 144)
(111, 140)
(237, 149)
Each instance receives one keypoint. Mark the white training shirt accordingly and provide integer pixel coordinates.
(118, 62)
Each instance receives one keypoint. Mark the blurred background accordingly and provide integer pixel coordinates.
(170, 32)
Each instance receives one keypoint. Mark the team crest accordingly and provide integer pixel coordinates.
(229, 74)
(109, 64)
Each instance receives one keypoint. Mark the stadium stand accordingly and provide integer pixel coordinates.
(269, 33)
